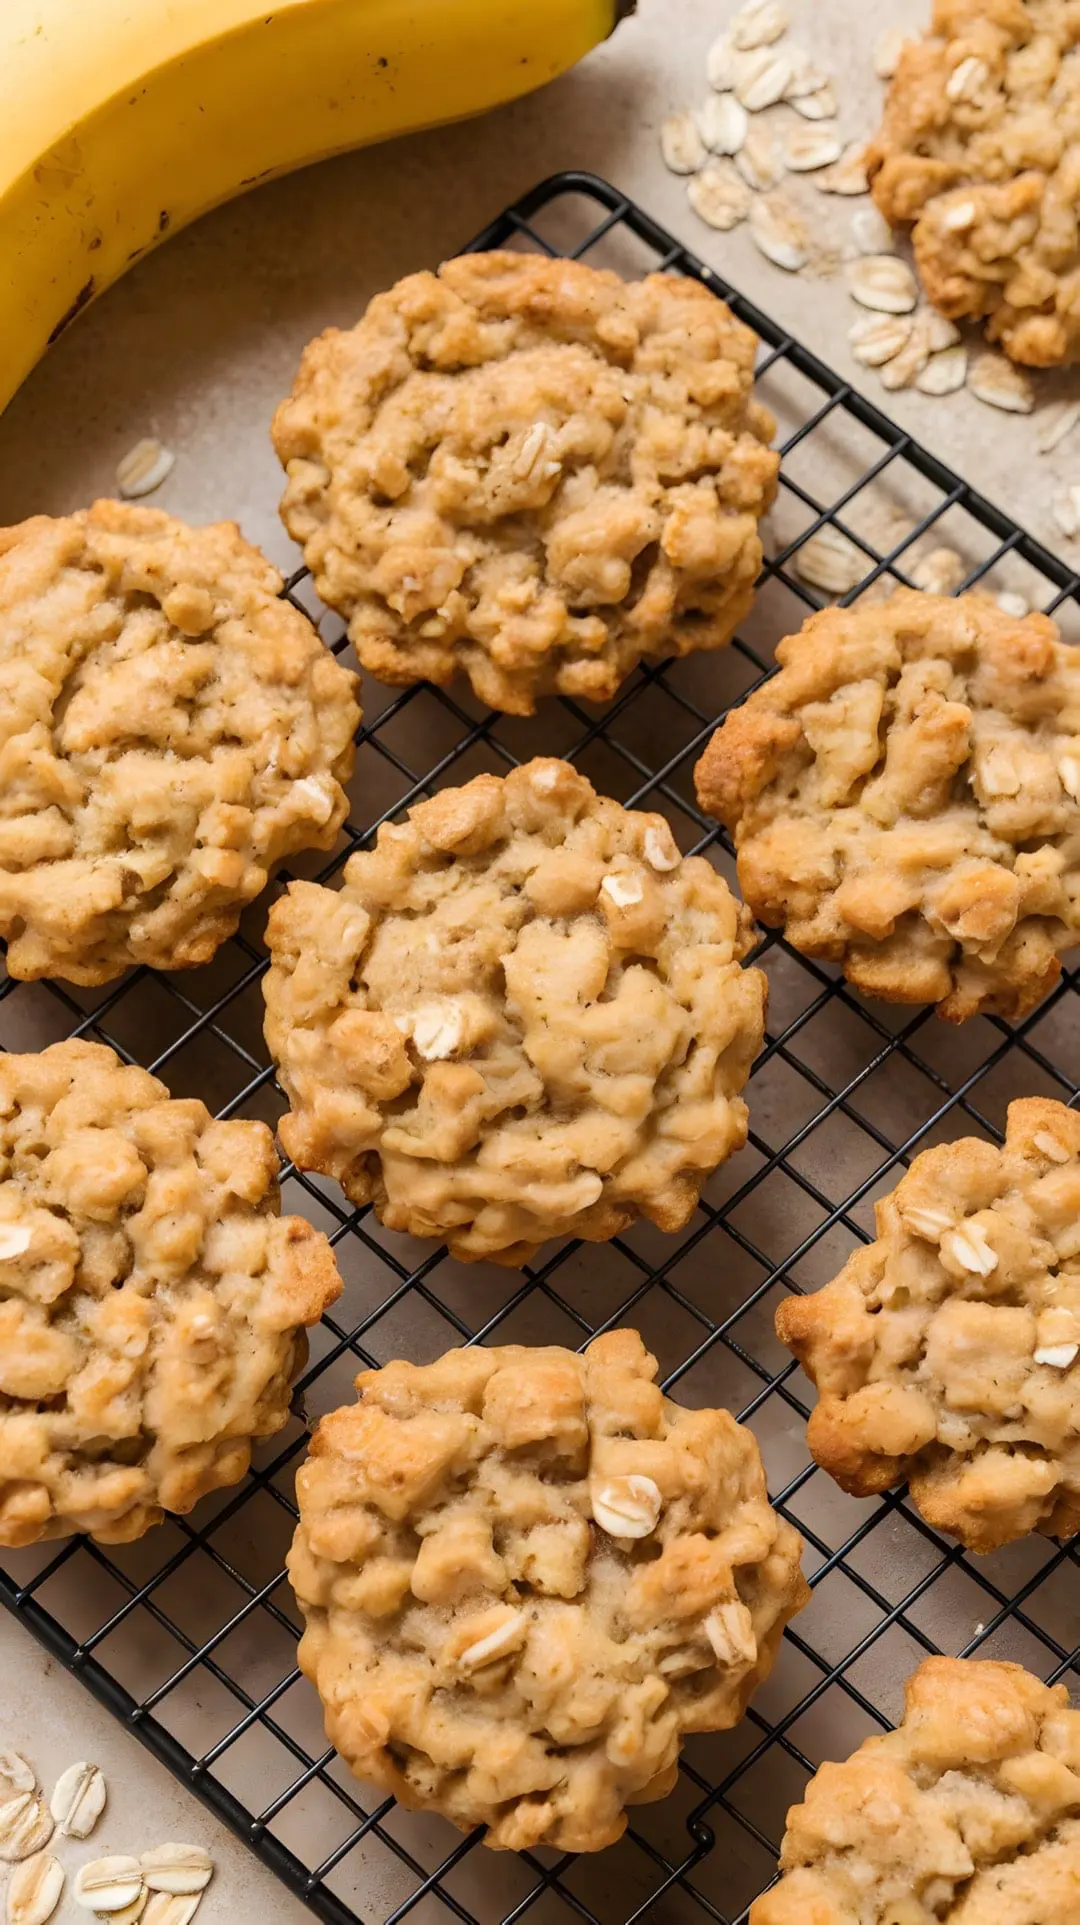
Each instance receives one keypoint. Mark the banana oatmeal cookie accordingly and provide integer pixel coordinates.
(531, 472)
(525, 1573)
(151, 1297)
(905, 799)
(169, 729)
(946, 1352)
(968, 1814)
(523, 1016)
(980, 149)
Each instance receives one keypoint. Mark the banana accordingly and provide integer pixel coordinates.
(121, 120)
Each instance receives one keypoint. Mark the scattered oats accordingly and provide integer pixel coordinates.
(144, 468)
(872, 232)
(507, 1636)
(807, 148)
(959, 216)
(806, 76)
(876, 338)
(883, 282)
(944, 372)
(831, 562)
(15, 1773)
(1000, 383)
(179, 1869)
(129, 1914)
(34, 1892)
(940, 333)
(25, 1826)
(759, 24)
(905, 367)
(167, 1909)
(1058, 1355)
(819, 105)
(107, 1884)
(758, 159)
(1054, 424)
(720, 64)
(722, 124)
(887, 52)
(1067, 511)
(761, 78)
(626, 1506)
(966, 79)
(849, 177)
(719, 196)
(778, 231)
(681, 145)
(730, 1631)
(939, 572)
(1011, 604)
(78, 1800)
(930, 1224)
(968, 1247)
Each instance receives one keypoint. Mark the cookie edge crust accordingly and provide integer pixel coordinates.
(801, 1321)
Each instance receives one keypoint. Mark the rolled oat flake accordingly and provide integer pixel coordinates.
(129, 1913)
(178, 1869)
(107, 1884)
(78, 1799)
(15, 1773)
(144, 468)
(34, 1892)
(25, 1826)
(171, 1908)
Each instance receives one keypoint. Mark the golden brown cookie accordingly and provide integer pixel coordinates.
(968, 1814)
(524, 1574)
(521, 1017)
(946, 1351)
(169, 729)
(980, 149)
(530, 472)
(151, 1297)
(905, 799)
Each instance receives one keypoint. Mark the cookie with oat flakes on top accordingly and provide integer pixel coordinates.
(525, 1574)
(967, 1814)
(905, 799)
(979, 149)
(946, 1351)
(523, 1016)
(152, 1297)
(530, 472)
(170, 728)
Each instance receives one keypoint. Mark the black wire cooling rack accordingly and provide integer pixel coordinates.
(189, 1635)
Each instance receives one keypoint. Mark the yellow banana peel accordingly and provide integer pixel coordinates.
(121, 120)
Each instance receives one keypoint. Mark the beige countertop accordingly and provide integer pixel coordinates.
(198, 344)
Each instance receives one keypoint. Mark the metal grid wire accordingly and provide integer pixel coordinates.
(189, 1635)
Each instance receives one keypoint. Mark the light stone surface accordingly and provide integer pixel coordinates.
(52, 1720)
(196, 347)
(200, 342)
